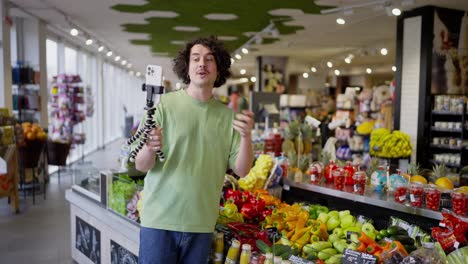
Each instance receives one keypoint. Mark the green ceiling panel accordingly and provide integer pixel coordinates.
(252, 16)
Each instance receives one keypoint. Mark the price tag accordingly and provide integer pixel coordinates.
(442, 224)
(286, 187)
(354, 257)
(456, 245)
(297, 260)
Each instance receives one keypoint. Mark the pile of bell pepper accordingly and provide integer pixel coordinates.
(248, 234)
(251, 206)
(316, 209)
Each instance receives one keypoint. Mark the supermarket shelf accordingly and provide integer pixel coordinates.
(446, 130)
(446, 147)
(344, 109)
(372, 198)
(451, 165)
(446, 113)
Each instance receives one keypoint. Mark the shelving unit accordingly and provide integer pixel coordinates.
(451, 111)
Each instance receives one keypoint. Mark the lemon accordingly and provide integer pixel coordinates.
(444, 182)
(419, 178)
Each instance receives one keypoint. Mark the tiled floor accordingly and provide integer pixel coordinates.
(40, 234)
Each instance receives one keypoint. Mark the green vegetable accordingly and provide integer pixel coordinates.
(383, 232)
(262, 246)
(327, 253)
(403, 239)
(335, 259)
(321, 245)
(280, 249)
(396, 230)
(123, 189)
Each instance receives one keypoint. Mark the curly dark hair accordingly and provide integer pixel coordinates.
(222, 57)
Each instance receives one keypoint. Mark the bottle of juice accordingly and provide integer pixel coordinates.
(268, 258)
(245, 255)
(233, 252)
(219, 248)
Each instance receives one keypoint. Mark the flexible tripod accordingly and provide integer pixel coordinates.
(153, 94)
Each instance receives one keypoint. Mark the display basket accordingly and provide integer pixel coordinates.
(57, 153)
(30, 153)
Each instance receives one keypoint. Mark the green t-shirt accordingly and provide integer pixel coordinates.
(182, 193)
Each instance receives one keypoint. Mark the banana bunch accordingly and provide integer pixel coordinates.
(376, 140)
(390, 145)
(257, 176)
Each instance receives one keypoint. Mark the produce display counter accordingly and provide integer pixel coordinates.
(378, 206)
(98, 234)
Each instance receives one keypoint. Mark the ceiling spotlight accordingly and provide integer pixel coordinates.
(138, 74)
(384, 51)
(337, 72)
(394, 68)
(129, 65)
(313, 69)
(340, 21)
(101, 48)
(244, 79)
(351, 56)
(242, 71)
(253, 79)
(305, 75)
(329, 64)
(238, 56)
(369, 70)
(89, 42)
(232, 61)
(109, 53)
(74, 32)
(396, 11)
(117, 58)
(347, 60)
(245, 51)
(131, 72)
(124, 62)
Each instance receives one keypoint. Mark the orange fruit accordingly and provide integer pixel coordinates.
(30, 136)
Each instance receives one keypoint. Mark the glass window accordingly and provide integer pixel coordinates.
(70, 61)
(52, 59)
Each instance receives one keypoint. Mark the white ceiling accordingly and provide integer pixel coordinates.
(366, 31)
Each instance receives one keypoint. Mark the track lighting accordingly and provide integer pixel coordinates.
(74, 32)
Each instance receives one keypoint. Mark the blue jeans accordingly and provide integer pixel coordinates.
(166, 247)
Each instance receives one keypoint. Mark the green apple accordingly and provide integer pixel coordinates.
(347, 221)
(333, 223)
(323, 218)
(344, 213)
(338, 232)
(334, 213)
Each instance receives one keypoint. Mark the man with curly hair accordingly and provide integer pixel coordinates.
(202, 138)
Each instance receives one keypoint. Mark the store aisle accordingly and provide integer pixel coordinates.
(40, 234)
